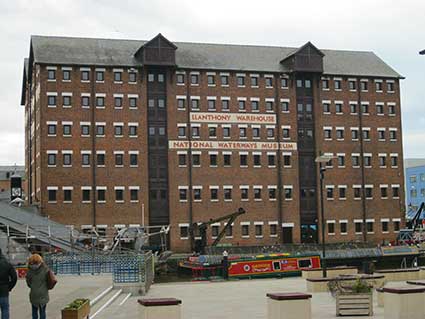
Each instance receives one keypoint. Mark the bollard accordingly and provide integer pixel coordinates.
(404, 303)
(289, 306)
(161, 308)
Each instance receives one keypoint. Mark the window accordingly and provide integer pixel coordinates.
(342, 192)
(85, 194)
(413, 179)
(284, 106)
(353, 108)
(224, 79)
(118, 130)
(213, 160)
(325, 84)
(391, 109)
(100, 130)
(286, 160)
(366, 135)
(197, 194)
(85, 159)
(413, 193)
(355, 160)
(151, 77)
(357, 192)
(181, 104)
(51, 74)
(133, 159)
(358, 227)
(382, 161)
(329, 193)
(195, 131)
(242, 132)
(196, 159)
(132, 102)
(226, 131)
(225, 105)
(341, 160)
(85, 101)
(183, 194)
(161, 103)
(194, 79)
(85, 130)
(66, 129)
(343, 227)
(369, 192)
(195, 104)
(288, 193)
(352, 85)
(285, 133)
(182, 131)
(393, 135)
(119, 195)
(180, 78)
(182, 159)
(380, 109)
(269, 106)
(51, 129)
(331, 228)
(134, 194)
(363, 85)
(52, 195)
(245, 230)
(396, 225)
(67, 159)
(101, 195)
(100, 159)
(271, 160)
(326, 108)
(394, 161)
(254, 106)
(338, 108)
(257, 160)
(244, 194)
(272, 193)
(240, 80)
(381, 135)
(243, 160)
(119, 159)
(396, 193)
(100, 101)
(85, 76)
(270, 132)
(269, 82)
(51, 100)
(161, 78)
(241, 105)
(390, 87)
(354, 134)
(365, 109)
(369, 226)
(211, 105)
(226, 160)
(132, 77)
(256, 132)
(227, 193)
(378, 86)
(100, 76)
(307, 84)
(340, 134)
(337, 84)
(132, 130)
(214, 194)
(117, 76)
(284, 83)
(367, 161)
(384, 192)
(211, 79)
(51, 159)
(258, 230)
(214, 230)
(327, 134)
(254, 81)
(184, 232)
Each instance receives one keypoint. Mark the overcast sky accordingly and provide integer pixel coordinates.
(394, 30)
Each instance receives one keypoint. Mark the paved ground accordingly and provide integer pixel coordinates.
(67, 289)
(235, 300)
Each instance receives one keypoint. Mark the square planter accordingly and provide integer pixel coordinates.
(81, 312)
(354, 304)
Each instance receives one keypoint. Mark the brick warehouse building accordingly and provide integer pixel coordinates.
(119, 130)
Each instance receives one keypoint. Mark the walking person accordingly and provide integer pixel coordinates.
(8, 280)
(37, 281)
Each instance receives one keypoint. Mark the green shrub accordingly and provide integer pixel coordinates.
(76, 304)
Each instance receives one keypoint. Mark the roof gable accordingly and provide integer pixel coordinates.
(158, 51)
(307, 58)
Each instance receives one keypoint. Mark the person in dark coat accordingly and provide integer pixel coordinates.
(37, 282)
(8, 280)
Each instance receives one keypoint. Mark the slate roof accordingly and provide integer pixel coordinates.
(113, 52)
(414, 162)
(20, 170)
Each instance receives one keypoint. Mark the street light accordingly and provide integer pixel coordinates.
(323, 159)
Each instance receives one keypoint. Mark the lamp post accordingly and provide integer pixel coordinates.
(323, 159)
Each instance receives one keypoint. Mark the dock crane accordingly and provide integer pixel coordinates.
(200, 244)
(408, 235)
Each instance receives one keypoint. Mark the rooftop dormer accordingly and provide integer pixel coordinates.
(308, 58)
(158, 51)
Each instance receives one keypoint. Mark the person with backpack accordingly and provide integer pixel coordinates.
(8, 280)
(39, 279)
